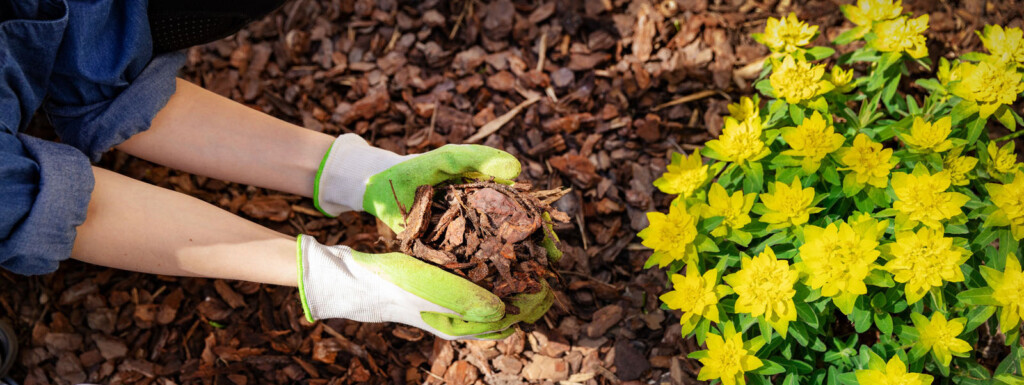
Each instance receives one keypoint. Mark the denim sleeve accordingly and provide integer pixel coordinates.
(106, 84)
(45, 188)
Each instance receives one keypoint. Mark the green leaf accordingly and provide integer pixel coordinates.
(831, 175)
(974, 129)
(796, 113)
(1005, 116)
(709, 224)
(851, 34)
(765, 87)
(791, 379)
(884, 322)
(797, 331)
(698, 354)
(977, 297)
(879, 278)
(797, 366)
(978, 316)
(754, 177)
(820, 52)
(806, 314)
(860, 317)
(962, 111)
(769, 367)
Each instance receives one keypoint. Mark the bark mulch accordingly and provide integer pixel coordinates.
(588, 94)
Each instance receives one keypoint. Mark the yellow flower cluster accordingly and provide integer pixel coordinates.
(989, 85)
(1004, 45)
(869, 11)
(922, 197)
(764, 285)
(684, 176)
(1008, 291)
(924, 260)
(901, 35)
(671, 236)
(812, 140)
(740, 141)
(868, 161)
(839, 257)
(797, 81)
(786, 35)
(930, 137)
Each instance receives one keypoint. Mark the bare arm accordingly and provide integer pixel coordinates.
(204, 133)
(136, 226)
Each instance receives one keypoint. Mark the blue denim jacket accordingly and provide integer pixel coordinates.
(89, 65)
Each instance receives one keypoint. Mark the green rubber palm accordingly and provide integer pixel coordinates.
(431, 168)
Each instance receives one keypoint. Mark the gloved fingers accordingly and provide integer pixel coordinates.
(455, 160)
(457, 327)
(494, 336)
(473, 303)
(533, 306)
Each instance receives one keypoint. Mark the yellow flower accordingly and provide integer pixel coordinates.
(735, 209)
(869, 11)
(922, 197)
(841, 79)
(929, 137)
(765, 288)
(894, 373)
(812, 139)
(786, 35)
(798, 80)
(924, 260)
(939, 336)
(868, 161)
(1005, 45)
(1001, 160)
(684, 176)
(838, 258)
(740, 142)
(727, 358)
(745, 109)
(1008, 290)
(1009, 201)
(989, 85)
(959, 166)
(789, 205)
(902, 35)
(697, 296)
(671, 236)
(949, 72)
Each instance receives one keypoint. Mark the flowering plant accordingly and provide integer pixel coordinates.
(845, 232)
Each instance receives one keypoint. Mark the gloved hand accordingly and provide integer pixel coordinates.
(356, 176)
(338, 282)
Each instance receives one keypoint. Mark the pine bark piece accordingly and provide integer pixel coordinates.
(418, 220)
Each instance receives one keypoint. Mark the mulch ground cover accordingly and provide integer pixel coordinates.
(588, 94)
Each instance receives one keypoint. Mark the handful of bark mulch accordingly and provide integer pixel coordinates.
(498, 236)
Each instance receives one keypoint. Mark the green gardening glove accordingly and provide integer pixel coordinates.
(338, 282)
(356, 176)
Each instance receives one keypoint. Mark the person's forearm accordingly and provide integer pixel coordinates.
(135, 226)
(204, 133)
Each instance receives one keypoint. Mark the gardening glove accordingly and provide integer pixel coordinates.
(356, 176)
(338, 282)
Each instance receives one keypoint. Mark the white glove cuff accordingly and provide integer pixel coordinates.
(346, 168)
(329, 287)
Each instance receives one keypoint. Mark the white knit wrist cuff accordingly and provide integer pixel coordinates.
(344, 172)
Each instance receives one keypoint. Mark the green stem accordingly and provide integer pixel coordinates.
(1009, 136)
